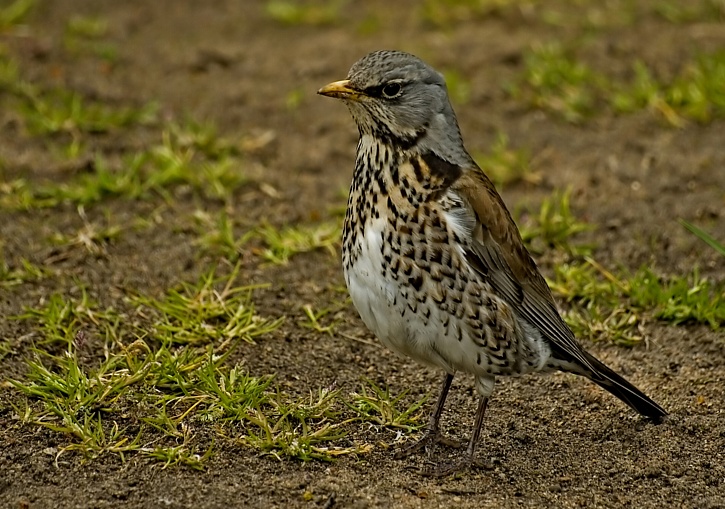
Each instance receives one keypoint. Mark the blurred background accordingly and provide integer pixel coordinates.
(171, 197)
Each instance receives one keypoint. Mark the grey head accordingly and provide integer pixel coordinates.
(397, 97)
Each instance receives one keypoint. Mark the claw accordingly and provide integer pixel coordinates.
(444, 470)
(465, 462)
(434, 436)
(430, 438)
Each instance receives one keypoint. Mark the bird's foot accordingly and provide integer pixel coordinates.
(446, 469)
(430, 438)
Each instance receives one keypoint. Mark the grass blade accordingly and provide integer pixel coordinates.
(704, 236)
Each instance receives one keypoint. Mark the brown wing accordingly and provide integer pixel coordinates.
(498, 253)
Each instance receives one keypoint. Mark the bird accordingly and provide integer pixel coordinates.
(432, 258)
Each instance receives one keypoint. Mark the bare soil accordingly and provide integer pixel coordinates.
(555, 441)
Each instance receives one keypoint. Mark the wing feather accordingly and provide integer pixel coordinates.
(498, 253)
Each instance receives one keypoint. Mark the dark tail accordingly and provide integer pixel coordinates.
(617, 385)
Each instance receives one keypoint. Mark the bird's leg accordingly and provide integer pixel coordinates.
(467, 460)
(433, 434)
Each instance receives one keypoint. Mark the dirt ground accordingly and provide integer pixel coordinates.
(553, 441)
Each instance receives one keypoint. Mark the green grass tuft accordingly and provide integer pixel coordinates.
(181, 159)
(23, 272)
(554, 80)
(553, 226)
(375, 404)
(505, 165)
(59, 317)
(213, 309)
(149, 386)
(55, 111)
(614, 307)
(283, 243)
(216, 235)
(87, 27)
(92, 237)
(678, 299)
(301, 429)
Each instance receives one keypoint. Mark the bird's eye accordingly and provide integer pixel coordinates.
(391, 90)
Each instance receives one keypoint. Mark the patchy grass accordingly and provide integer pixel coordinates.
(87, 34)
(59, 110)
(506, 165)
(154, 385)
(375, 404)
(644, 92)
(86, 404)
(177, 161)
(691, 12)
(153, 401)
(695, 93)
(553, 226)
(59, 317)
(87, 27)
(555, 80)
(308, 12)
(213, 309)
(203, 138)
(620, 326)
(283, 243)
(179, 455)
(302, 429)
(324, 321)
(678, 299)
(217, 237)
(588, 16)
(613, 307)
(92, 237)
(22, 272)
(181, 160)
(163, 374)
(187, 155)
(459, 88)
(447, 13)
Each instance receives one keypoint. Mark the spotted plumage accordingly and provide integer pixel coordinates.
(432, 258)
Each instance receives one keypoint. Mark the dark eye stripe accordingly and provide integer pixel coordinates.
(377, 90)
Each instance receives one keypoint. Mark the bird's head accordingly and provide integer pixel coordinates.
(397, 97)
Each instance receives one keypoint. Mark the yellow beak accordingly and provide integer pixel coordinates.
(340, 90)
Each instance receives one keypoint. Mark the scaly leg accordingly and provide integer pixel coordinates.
(433, 434)
(467, 460)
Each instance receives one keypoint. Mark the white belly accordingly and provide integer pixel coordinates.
(384, 309)
(429, 335)
(373, 296)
